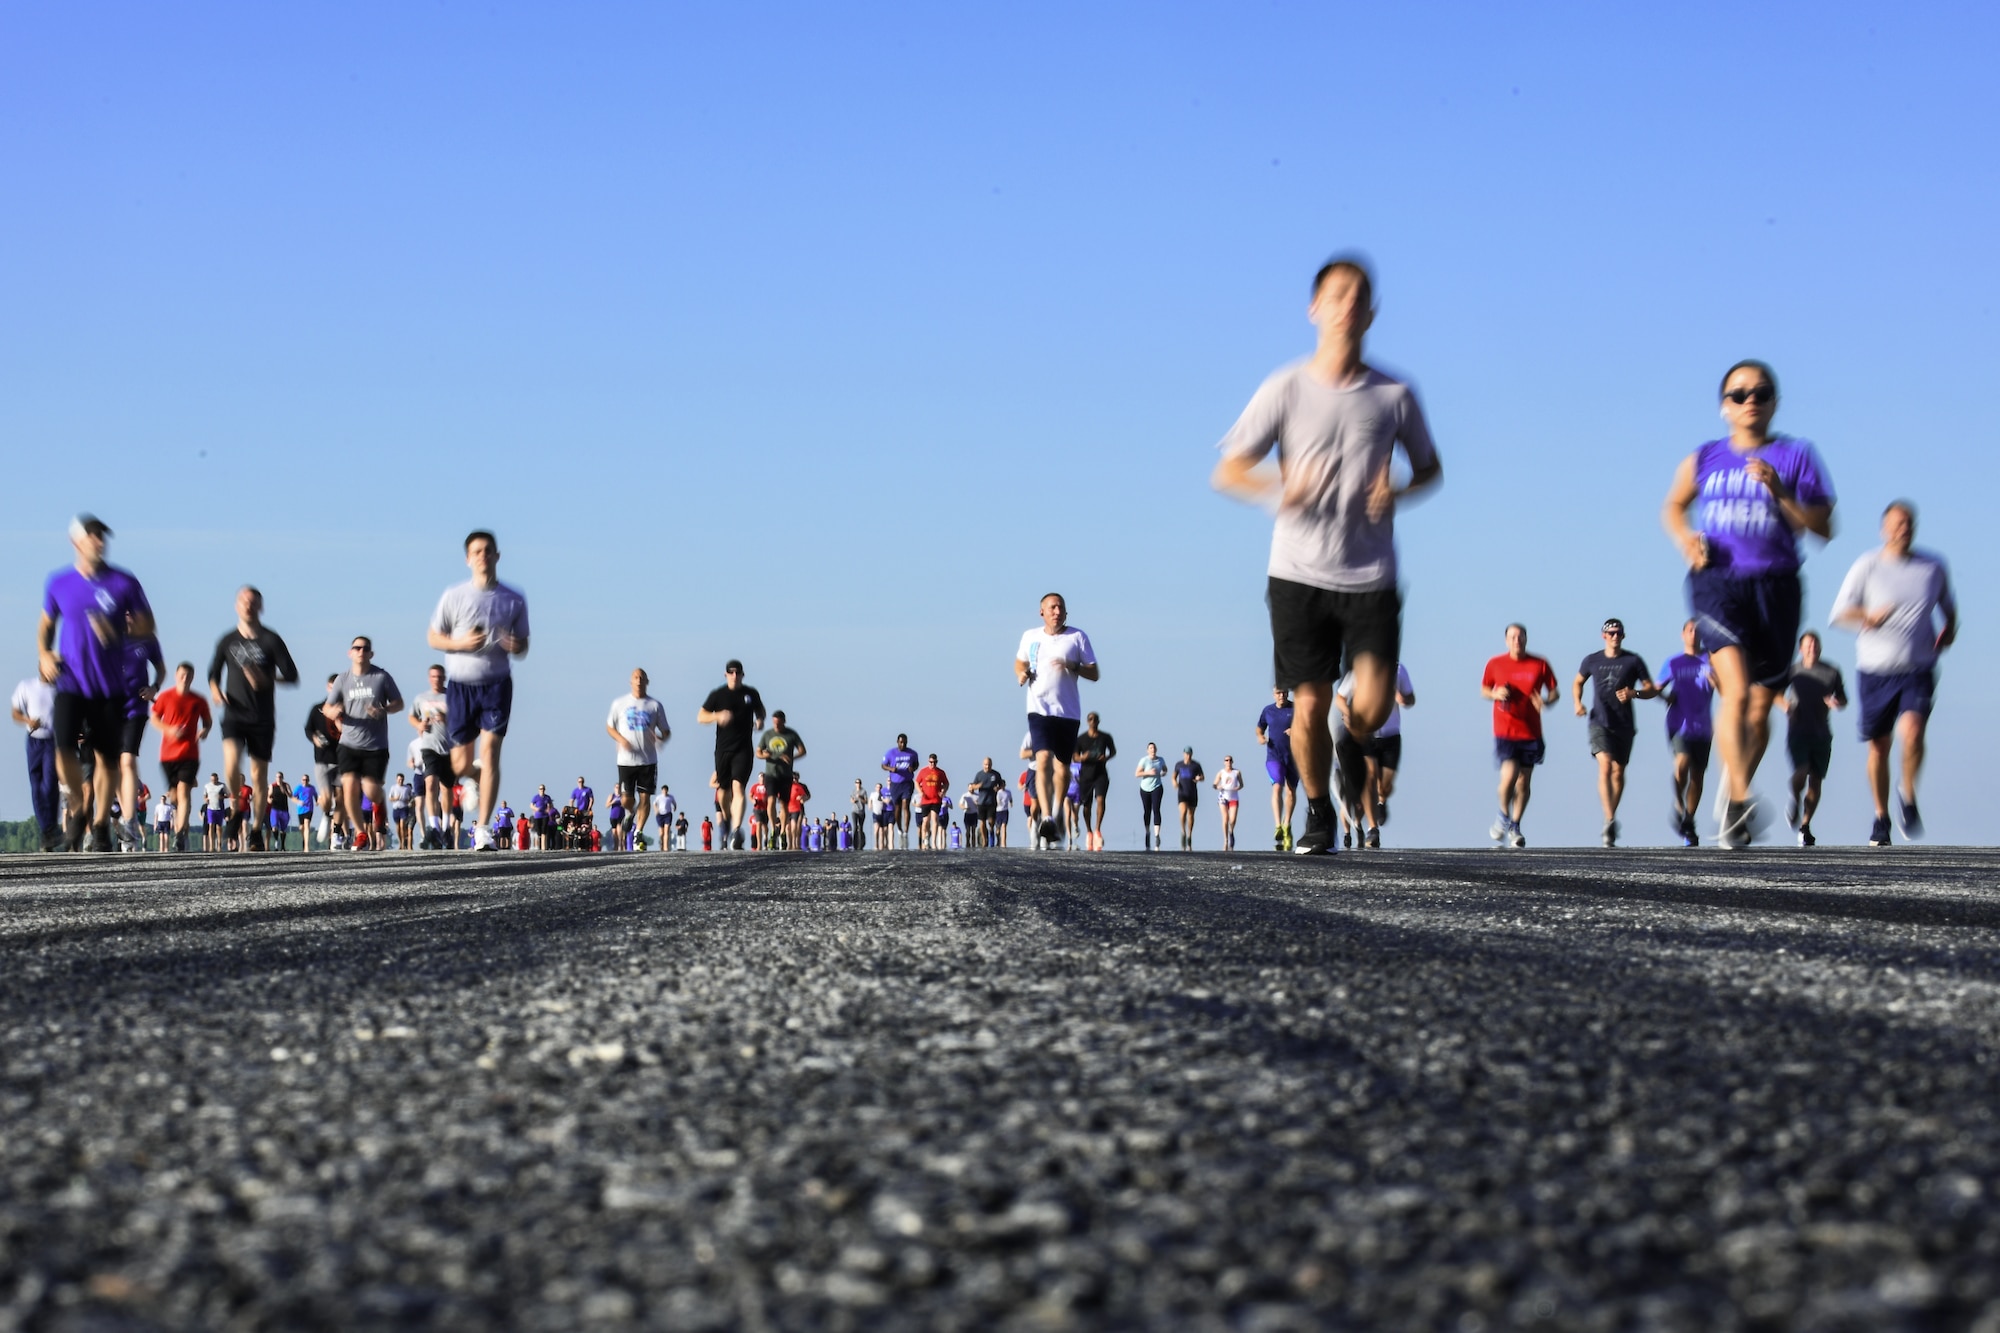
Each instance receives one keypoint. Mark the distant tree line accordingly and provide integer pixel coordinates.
(20, 836)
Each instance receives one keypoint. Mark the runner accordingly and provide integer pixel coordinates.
(1003, 803)
(881, 810)
(138, 653)
(638, 724)
(1813, 687)
(34, 708)
(900, 763)
(781, 749)
(543, 816)
(1228, 784)
(323, 734)
(1381, 756)
(479, 625)
(307, 795)
(1689, 689)
(1094, 751)
(401, 798)
(859, 812)
(1617, 678)
(1188, 778)
(707, 834)
(1050, 660)
(614, 813)
(1335, 422)
(363, 700)
(795, 813)
(681, 832)
(90, 611)
(257, 662)
(1152, 775)
(664, 806)
(989, 785)
(737, 710)
(933, 790)
(1735, 510)
(278, 804)
(1274, 733)
(214, 807)
(1899, 599)
(430, 714)
(760, 801)
(183, 721)
(1520, 685)
(163, 822)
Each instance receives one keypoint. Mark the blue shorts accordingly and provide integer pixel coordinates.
(1057, 735)
(1284, 769)
(280, 820)
(1758, 616)
(1525, 753)
(1886, 697)
(472, 709)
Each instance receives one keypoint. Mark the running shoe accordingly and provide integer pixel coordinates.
(1610, 833)
(1515, 840)
(1501, 827)
(360, 843)
(1278, 838)
(1051, 832)
(1374, 842)
(739, 840)
(100, 838)
(1879, 835)
(1909, 820)
(1806, 838)
(1288, 839)
(1381, 813)
(1317, 840)
(1735, 830)
(1347, 836)
(256, 840)
(1792, 810)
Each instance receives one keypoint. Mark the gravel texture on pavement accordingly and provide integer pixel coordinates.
(1457, 1090)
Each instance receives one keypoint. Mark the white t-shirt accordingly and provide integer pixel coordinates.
(36, 698)
(163, 813)
(1052, 691)
(664, 805)
(399, 795)
(497, 610)
(212, 794)
(1002, 800)
(1332, 443)
(635, 720)
(1229, 781)
(432, 710)
(1394, 726)
(1917, 587)
(413, 758)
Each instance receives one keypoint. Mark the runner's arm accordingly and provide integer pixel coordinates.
(1674, 516)
(1576, 688)
(45, 648)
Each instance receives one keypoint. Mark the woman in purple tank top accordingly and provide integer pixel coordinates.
(1736, 509)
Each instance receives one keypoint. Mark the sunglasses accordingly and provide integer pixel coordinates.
(1760, 395)
(357, 648)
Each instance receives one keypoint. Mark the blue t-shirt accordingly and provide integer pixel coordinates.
(543, 806)
(1277, 725)
(1187, 779)
(1690, 689)
(582, 797)
(1747, 534)
(306, 796)
(90, 634)
(902, 766)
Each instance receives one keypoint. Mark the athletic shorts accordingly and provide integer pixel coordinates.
(777, 788)
(663, 820)
(1093, 780)
(437, 764)
(472, 709)
(177, 771)
(1810, 754)
(926, 809)
(639, 777)
(98, 722)
(212, 818)
(132, 735)
(999, 817)
(1281, 768)
(733, 765)
(1316, 633)
(1696, 748)
(1188, 795)
(256, 737)
(1617, 744)
(882, 819)
(1886, 697)
(1525, 753)
(902, 793)
(1057, 735)
(1227, 797)
(1386, 751)
(280, 820)
(367, 764)
(1758, 615)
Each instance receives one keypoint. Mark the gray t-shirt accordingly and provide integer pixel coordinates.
(1332, 443)
(1916, 587)
(498, 609)
(432, 709)
(357, 692)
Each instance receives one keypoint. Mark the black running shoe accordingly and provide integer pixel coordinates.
(1879, 836)
(100, 838)
(257, 840)
(1909, 820)
(1317, 840)
(1374, 838)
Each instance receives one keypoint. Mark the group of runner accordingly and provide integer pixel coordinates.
(1736, 510)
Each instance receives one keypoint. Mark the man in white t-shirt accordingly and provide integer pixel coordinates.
(1381, 755)
(34, 707)
(1335, 423)
(479, 625)
(1049, 662)
(638, 723)
(664, 806)
(163, 821)
(430, 755)
(1900, 601)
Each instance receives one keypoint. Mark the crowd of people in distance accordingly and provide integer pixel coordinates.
(1736, 510)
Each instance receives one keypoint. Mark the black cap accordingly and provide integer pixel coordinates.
(88, 524)
(732, 665)
(1613, 624)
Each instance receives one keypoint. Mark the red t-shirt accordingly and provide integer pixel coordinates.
(758, 796)
(187, 711)
(932, 784)
(1519, 717)
(797, 801)
(522, 829)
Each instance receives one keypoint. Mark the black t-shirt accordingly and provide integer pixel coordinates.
(1810, 691)
(265, 653)
(1608, 676)
(325, 743)
(746, 708)
(1187, 779)
(1095, 751)
(988, 782)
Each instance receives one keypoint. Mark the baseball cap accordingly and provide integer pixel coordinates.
(1613, 624)
(88, 525)
(733, 665)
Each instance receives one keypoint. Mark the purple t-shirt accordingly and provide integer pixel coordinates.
(90, 637)
(1690, 690)
(138, 653)
(1747, 535)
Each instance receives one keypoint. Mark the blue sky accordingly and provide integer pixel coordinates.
(830, 340)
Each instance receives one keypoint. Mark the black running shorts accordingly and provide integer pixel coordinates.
(100, 723)
(256, 737)
(1317, 633)
(733, 765)
(369, 765)
(640, 777)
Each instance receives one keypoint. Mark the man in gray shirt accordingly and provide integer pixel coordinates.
(479, 625)
(1335, 423)
(1900, 601)
(361, 703)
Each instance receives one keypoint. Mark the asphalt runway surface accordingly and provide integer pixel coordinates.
(1456, 1090)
